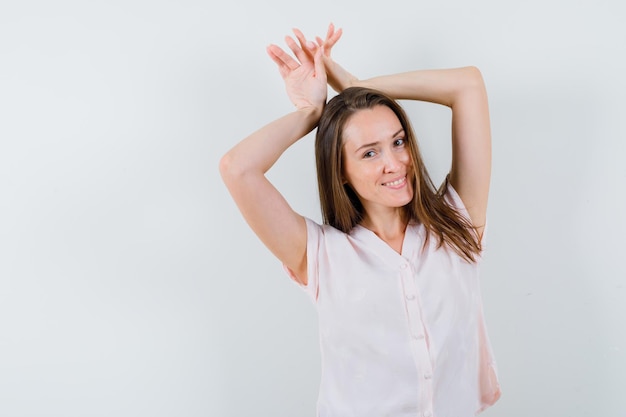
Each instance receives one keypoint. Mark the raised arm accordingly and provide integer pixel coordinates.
(463, 91)
(243, 168)
(460, 89)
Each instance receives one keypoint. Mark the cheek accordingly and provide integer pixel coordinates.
(355, 171)
(411, 170)
(406, 158)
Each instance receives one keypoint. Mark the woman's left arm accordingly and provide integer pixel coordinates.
(463, 91)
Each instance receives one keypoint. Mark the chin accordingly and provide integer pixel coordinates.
(408, 199)
(402, 203)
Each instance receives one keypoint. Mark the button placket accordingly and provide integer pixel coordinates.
(416, 325)
(419, 346)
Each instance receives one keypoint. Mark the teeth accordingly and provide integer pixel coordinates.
(396, 182)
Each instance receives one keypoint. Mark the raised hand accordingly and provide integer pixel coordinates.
(305, 76)
(338, 78)
(332, 36)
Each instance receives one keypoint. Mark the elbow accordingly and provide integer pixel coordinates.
(233, 169)
(473, 71)
(469, 86)
(228, 168)
(473, 78)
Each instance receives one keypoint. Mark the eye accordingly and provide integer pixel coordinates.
(399, 142)
(369, 154)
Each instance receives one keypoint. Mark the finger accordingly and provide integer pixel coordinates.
(331, 29)
(319, 40)
(282, 68)
(297, 50)
(333, 38)
(281, 57)
(320, 70)
(285, 62)
(308, 46)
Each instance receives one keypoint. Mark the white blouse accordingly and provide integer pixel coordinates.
(400, 334)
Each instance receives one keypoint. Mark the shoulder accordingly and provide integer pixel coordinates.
(325, 232)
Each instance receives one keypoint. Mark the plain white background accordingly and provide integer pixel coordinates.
(131, 286)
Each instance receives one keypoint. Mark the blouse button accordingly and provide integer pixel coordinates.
(403, 266)
(427, 376)
(410, 296)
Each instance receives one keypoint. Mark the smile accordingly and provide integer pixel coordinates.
(395, 183)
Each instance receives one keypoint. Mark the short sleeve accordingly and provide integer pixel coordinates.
(314, 241)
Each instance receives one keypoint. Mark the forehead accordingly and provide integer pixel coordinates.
(371, 125)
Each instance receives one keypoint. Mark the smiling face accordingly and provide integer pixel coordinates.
(376, 159)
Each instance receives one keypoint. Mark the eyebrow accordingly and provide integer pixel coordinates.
(368, 145)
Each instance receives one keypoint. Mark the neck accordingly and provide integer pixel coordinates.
(389, 227)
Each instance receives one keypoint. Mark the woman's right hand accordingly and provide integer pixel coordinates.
(338, 78)
(305, 76)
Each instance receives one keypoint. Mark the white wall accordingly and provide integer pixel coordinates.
(130, 285)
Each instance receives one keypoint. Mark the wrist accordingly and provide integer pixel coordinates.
(311, 109)
(311, 114)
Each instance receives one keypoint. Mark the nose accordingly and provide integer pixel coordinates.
(392, 162)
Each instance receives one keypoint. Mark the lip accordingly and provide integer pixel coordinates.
(396, 183)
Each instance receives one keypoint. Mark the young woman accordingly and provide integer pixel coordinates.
(394, 268)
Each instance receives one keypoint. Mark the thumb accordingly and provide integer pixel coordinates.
(320, 70)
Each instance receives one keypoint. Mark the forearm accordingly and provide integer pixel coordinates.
(442, 86)
(259, 151)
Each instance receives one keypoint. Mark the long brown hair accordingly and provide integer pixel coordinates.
(341, 207)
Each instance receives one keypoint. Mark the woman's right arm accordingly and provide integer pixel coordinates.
(243, 168)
